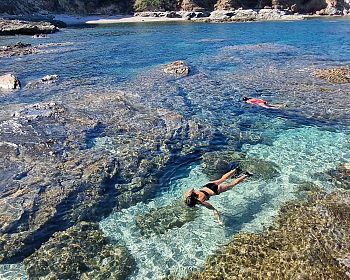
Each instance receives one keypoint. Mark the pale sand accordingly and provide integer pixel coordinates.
(134, 19)
(71, 20)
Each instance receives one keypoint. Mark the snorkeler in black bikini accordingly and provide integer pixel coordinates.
(193, 197)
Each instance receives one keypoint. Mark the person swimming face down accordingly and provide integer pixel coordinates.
(191, 198)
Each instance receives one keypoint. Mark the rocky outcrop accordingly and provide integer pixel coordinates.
(309, 240)
(81, 252)
(15, 27)
(17, 49)
(177, 68)
(340, 75)
(250, 15)
(9, 82)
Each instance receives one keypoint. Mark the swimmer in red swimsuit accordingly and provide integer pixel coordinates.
(201, 197)
(261, 102)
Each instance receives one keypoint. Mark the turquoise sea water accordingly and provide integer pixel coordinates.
(273, 60)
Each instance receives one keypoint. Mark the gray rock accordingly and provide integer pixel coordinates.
(17, 49)
(260, 168)
(9, 82)
(178, 68)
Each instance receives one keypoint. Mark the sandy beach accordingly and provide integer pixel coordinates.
(100, 19)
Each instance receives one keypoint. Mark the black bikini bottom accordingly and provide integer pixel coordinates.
(211, 186)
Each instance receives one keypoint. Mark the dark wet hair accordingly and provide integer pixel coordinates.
(191, 200)
(245, 98)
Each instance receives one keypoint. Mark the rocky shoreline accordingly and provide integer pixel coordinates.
(14, 27)
(39, 24)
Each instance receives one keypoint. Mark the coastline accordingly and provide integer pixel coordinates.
(184, 16)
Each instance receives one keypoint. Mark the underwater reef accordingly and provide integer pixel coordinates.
(81, 252)
(215, 164)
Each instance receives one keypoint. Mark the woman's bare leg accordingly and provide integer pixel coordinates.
(225, 187)
(225, 177)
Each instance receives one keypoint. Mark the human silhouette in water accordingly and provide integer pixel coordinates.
(262, 103)
(201, 197)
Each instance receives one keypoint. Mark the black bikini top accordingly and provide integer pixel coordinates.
(207, 196)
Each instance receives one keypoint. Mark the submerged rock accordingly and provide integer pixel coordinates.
(44, 81)
(340, 177)
(16, 27)
(309, 240)
(17, 50)
(215, 164)
(159, 220)
(178, 68)
(261, 169)
(9, 82)
(340, 75)
(81, 252)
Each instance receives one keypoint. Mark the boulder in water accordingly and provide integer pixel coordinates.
(9, 82)
(178, 68)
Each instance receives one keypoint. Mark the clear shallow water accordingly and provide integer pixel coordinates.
(299, 153)
(272, 60)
